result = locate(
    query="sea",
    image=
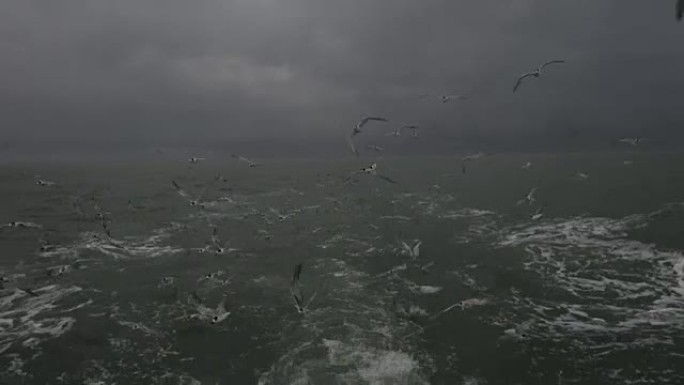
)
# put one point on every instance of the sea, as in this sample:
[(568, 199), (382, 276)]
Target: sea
[(566, 271)]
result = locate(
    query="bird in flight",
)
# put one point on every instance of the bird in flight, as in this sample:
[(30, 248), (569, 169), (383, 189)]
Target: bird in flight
[(181, 192), (526, 166), (680, 10), (536, 73), (295, 291), (632, 141), (249, 162), (529, 198), (364, 121), (412, 251)]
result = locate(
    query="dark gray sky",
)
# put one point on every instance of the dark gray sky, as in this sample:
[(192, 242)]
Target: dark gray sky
[(147, 73)]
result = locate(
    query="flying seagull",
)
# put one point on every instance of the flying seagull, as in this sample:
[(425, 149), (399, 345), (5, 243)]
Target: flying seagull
[(412, 251), (680, 10), (295, 291), (536, 73), (632, 141), (249, 162), (470, 158), (529, 198), (363, 122), (526, 166), (373, 170), (43, 182), (537, 214), (182, 193)]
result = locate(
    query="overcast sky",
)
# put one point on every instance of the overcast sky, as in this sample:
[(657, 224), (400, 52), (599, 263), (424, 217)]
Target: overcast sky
[(165, 73)]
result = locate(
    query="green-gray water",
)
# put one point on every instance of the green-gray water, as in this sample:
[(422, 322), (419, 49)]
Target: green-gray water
[(591, 292)]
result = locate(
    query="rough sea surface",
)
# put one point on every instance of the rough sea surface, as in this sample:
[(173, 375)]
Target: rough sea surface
[(589, 291)]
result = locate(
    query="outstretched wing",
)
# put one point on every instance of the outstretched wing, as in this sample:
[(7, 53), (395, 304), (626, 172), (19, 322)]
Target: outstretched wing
[(180, 191), (548, 63), (680, 10), (520, 80), (350, 142), (387, 179), (367, 119), (294, 288)]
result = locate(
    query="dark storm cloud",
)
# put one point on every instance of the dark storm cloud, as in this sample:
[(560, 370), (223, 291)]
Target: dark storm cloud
[(212, 71)]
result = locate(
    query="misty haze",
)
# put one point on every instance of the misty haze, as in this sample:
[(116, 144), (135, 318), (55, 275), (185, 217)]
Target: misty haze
[(471, 192)]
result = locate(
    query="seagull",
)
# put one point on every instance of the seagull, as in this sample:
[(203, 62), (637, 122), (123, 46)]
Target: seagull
[(363, 122), (194, 160), (529, 198), (447, 98), (21, 225), (414, 134), (395, 133), (536, 73), (537, 215), (181, 192), (43, 182), (206, 314), (411, 251), (526, 166), (469, 158), (372, 170), (582, 175), (249, 162), (295, 291), (632, 141), (680, 10), (374, 147), (219, 247)]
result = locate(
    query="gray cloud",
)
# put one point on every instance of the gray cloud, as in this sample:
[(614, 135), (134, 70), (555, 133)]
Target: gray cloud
[(175, 72)]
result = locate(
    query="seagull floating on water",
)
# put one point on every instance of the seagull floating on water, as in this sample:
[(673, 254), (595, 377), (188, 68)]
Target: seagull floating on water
[(372, 170), (21, 225), (194, 160), (536, 73), (43, 182)]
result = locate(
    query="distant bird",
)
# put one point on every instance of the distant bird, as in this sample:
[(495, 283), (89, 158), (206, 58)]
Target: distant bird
[(627, 162), (194, 160), (295, 290), (21, 225), (526, 166), (219, 246), (206, 314), (680, 10), (396, 132), (182, 193), (536, 73), (529, 198), (447, 98), (412, 251), (469, 158), (414, 134), (582, 175), (249, 162), (363, 122), (374, 147), (372, 170), (43, 182), (632, 141), (537, 214)]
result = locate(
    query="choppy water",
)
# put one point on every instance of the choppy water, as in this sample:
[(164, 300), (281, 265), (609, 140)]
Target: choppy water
[(592, 292)]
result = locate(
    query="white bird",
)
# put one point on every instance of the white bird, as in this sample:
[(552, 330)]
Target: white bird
[(295, 290), (411, 251), (43, 182), (526, 166), (194, 160), (529, 198), (536, 73), (537, 215), (182, 193), (582, 175), (374, 147), (447, 98), (364, 121), (632, 141), (21, 225), (470, 158), (249, 162), (206, 314)]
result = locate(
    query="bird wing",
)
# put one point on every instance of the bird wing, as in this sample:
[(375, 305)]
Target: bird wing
[(180, 191), (215, 238), (680, 10), (520, 79), (294, 287), (416, 248), (388, 179), (350, 142), (367, 119), (541, 67)]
